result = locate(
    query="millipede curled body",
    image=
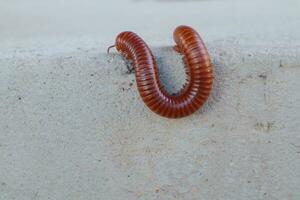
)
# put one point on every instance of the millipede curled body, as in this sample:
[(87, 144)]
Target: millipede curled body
[(198, 66)]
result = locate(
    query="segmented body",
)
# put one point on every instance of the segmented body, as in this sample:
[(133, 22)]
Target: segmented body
[(199, 73)]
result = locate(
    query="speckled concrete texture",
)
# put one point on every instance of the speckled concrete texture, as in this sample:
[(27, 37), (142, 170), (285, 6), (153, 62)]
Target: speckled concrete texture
[(72, 124)]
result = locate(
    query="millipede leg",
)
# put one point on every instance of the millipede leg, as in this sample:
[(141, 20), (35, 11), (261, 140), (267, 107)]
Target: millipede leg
[(177, 49)]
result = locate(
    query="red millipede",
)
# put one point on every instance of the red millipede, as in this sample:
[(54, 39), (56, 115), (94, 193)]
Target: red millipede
[(198, 67)]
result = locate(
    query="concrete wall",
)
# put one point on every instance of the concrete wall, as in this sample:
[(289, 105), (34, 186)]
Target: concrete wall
[(72, 124)]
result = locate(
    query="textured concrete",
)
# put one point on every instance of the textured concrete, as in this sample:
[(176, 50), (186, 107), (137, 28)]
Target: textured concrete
[(72, 125)]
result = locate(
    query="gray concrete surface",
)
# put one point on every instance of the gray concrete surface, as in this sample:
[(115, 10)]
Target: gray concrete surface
[(72, 125)]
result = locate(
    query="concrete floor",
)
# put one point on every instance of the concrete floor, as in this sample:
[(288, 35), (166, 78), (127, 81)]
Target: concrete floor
[(74, 127)]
